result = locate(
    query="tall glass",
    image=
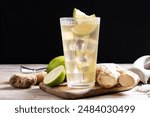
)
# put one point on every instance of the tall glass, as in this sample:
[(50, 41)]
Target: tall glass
[(80, 45)]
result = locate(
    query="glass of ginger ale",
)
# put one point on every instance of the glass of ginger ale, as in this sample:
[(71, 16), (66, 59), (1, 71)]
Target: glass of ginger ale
[(80, 38)]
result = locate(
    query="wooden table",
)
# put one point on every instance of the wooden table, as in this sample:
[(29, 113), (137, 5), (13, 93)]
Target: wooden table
[(34, 93)]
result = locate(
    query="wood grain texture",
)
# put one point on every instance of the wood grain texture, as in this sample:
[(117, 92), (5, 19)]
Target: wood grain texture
[(70, 93)]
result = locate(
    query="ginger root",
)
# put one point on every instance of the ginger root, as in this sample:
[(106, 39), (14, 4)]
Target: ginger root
[(40, 76), (108, 75), (21, 80), (128, 78)]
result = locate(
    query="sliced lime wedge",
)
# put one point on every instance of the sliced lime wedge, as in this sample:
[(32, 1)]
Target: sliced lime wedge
[(85, 24), (55, 76)]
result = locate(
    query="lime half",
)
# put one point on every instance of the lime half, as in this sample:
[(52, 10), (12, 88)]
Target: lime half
[(85, 24), (60, 60), (55, 76)]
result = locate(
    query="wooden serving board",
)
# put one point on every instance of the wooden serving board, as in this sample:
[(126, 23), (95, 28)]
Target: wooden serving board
[(69, 93)]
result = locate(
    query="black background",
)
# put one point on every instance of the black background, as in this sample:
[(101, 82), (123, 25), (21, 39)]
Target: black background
[(30, 29)]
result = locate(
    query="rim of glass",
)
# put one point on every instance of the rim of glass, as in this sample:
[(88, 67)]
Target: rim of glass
[(62, 18)]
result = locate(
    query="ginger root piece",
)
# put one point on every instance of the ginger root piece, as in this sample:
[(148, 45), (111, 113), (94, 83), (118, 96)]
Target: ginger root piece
[(128, 78), (107, 75), (21, 80), (40, 76)]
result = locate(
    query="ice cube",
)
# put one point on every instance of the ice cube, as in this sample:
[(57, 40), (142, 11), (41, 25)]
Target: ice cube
[(92, 44), (70, 66), (91, 56), (80, 44), (80, 56), (69, 55), (80, 50)]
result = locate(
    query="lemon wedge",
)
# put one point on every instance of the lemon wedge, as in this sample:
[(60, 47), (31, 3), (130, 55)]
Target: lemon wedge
[(79, 14), (85, 24)]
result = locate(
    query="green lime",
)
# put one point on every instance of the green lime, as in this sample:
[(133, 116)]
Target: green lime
[(55, 76), (60, 60)]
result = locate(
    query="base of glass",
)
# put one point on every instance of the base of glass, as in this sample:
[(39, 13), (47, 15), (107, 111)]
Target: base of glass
[(81, 85)]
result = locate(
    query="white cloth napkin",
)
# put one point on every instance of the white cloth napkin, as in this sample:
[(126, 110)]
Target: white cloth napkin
[(142, 68)]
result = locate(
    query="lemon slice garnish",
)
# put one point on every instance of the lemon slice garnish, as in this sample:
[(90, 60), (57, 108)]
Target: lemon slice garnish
[(85, 24)]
